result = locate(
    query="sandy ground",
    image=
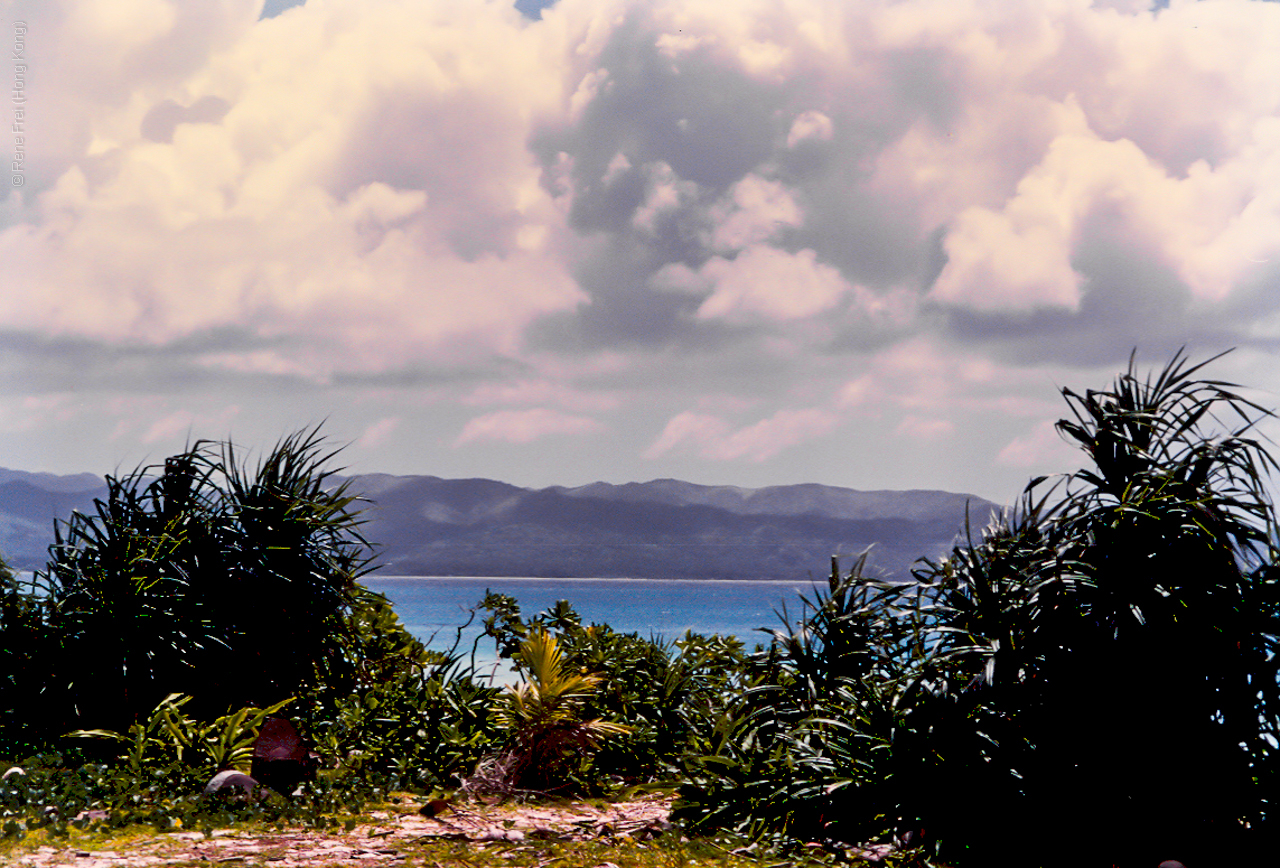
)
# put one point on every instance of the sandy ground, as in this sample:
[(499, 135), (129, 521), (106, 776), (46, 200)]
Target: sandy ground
[(385, 840)]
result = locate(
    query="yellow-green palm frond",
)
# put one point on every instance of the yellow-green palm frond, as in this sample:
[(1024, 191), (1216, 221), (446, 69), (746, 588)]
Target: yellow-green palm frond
[(548, 695), (543, 661)]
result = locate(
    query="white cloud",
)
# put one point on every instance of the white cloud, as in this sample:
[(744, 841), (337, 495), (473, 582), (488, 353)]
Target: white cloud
[(765, 282), (1041, 446), (1019, 257), (755, 210), (526, 426), (346, 199), (699, 429), (890, 206), (665, 193), (542, 392), (715, 439), (186, 423), (378, 432), (810, 125), (925, 428), (125, 27)]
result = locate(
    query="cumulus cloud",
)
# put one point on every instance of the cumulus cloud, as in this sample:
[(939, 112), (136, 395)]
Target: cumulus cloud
[(755, 210), (827, 211), (347, 177), (810, 125), (763, 281), (1020, 256)]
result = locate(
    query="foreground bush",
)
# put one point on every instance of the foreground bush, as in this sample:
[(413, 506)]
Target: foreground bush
[(547, 743), (235, 585), (667, 693), (411, 719), (1092, 680), (204, 576), (800, 754)]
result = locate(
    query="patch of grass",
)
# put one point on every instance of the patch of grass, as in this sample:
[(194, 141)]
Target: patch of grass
[(665, 851), (90, 839)]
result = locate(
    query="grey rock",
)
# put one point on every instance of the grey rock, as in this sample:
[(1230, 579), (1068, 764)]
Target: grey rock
[(233, 784), (90, 816)]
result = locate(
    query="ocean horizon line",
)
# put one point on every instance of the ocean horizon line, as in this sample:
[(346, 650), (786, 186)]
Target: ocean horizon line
[(586, 579)]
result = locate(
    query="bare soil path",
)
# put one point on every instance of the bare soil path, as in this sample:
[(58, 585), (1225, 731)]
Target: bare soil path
[(389, 838)]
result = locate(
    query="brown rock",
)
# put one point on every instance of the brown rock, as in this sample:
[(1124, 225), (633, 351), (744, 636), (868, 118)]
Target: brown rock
[(281, 760)]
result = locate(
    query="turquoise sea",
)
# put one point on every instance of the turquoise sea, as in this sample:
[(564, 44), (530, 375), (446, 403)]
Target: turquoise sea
[(433, 608)]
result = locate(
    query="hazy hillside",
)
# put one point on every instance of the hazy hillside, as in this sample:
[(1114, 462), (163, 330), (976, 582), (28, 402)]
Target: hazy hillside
[(29, 502), (665, 528), (425, 525)]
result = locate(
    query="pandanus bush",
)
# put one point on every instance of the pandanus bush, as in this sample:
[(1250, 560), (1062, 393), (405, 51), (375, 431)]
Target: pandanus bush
[(1114, 639), (799, 754), (1095, 672), (205, 575), (25, 643)]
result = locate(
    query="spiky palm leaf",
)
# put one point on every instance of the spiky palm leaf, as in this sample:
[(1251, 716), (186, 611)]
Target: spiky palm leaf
[(206, 576), (1124, 628), (547, 738)]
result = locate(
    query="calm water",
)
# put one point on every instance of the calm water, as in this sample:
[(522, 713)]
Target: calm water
[(432, 608)]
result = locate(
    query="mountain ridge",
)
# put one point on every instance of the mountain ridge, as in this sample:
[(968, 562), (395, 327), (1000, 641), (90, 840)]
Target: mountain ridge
[(663, 528)]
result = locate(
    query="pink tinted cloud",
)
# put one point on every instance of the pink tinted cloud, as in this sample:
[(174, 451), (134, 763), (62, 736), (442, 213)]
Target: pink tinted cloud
[(373, 165), (542, 392), (367, 189), (526, 426), (1041, 446), (835, 190), (187, 423), (763, 282), (378, 432), (715, 439)]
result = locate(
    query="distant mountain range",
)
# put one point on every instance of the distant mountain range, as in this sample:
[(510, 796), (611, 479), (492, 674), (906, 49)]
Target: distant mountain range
[(424, 525)]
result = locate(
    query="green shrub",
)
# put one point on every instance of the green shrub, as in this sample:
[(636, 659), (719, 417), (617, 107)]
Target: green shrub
[(799, 755), (26, 644), (668, 694), (201, 576), (548, 741), (170, 737), (61, 790), (411, 719), (1098, 664)]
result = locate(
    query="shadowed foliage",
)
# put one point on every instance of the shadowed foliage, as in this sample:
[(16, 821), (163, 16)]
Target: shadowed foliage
[(22, 641), (205, 575), (1092, 679)]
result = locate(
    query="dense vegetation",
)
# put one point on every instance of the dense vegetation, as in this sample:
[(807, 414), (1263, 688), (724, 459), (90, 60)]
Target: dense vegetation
[(1090, 679)]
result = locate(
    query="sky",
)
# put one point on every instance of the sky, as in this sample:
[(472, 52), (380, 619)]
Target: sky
[(753, 243)]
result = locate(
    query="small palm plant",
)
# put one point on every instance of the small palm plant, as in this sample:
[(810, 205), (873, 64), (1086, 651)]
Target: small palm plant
[(547, 741)]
